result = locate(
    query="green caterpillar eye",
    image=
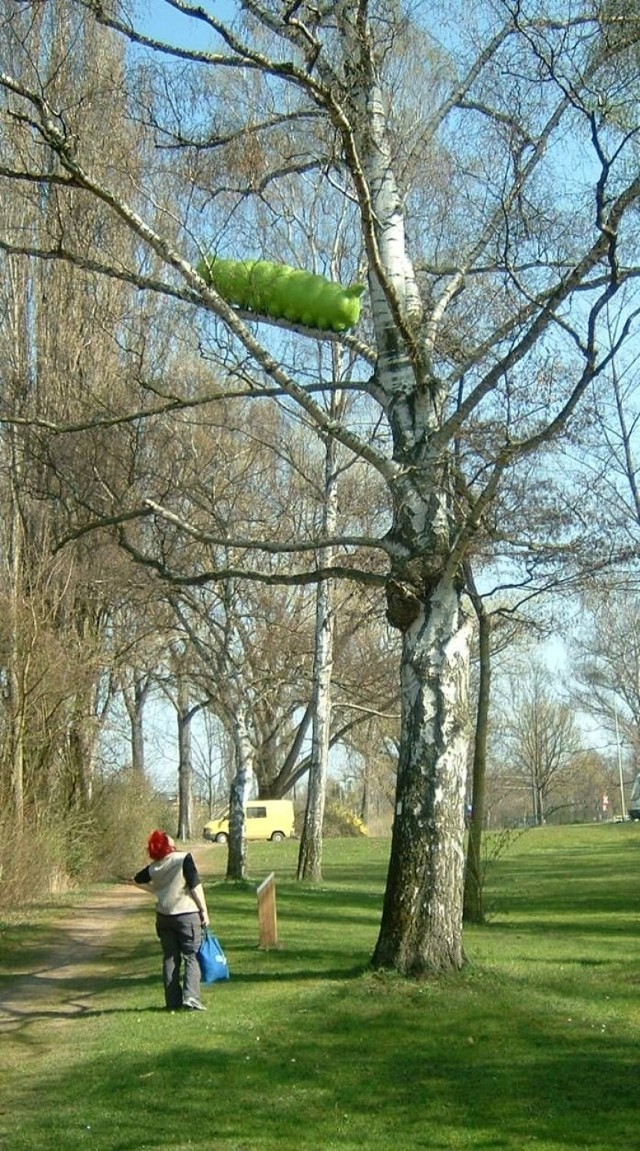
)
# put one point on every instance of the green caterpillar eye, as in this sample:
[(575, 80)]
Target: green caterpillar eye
[(284, 293)]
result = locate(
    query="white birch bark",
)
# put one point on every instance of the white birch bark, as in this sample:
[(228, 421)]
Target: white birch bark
[(19, 650), (240, 790), (421, 928), (15, 700), (310, 854)]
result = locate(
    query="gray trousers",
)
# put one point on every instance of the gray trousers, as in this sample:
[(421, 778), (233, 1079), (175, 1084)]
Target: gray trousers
[(180, 938)]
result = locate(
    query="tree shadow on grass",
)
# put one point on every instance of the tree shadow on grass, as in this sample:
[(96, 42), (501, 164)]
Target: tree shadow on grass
[(380, 1066), (606, 925), (17, 1019)]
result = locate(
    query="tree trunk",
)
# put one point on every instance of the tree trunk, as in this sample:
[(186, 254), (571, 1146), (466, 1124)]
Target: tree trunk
[(137, 739), (19, 647), (421, 928), (310, 854), (185, 716), (240, 788), (541, 805), (365, 802), (15, 687), (82, 738), (135, 704), (474, 873)]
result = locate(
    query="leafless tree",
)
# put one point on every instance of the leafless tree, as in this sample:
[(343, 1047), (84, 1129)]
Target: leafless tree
[(543, 743)]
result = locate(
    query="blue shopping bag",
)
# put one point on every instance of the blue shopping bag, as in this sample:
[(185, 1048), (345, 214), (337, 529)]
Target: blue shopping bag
[(212, 959)]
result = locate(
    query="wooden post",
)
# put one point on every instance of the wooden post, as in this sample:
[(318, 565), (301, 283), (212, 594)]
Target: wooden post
[(267, 919)]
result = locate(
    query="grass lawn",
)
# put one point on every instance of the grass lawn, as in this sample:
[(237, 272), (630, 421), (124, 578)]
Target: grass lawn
[(533, 1045)]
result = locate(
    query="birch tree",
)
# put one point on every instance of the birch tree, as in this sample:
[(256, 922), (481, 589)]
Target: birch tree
[(310, 855), (483, 327)]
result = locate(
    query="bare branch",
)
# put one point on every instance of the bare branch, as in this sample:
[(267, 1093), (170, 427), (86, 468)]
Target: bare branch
[(270, 548), (223, 574)]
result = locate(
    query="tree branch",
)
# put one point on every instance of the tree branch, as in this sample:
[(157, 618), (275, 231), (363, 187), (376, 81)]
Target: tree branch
[(270, 548), (223, 574)]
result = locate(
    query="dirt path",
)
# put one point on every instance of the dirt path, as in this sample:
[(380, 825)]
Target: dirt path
[(65, 983)]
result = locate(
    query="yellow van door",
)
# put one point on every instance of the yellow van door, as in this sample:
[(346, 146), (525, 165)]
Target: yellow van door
[(256, 823)]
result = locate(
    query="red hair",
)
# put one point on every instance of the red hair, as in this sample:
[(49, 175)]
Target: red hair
[(159, 845)]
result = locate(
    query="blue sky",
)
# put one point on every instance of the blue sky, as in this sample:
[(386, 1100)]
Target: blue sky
[(159, 19)]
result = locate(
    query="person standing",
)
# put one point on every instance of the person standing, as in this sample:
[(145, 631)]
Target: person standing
[(181, 915)]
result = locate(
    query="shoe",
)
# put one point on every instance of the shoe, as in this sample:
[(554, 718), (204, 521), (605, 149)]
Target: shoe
[(193, 1005)]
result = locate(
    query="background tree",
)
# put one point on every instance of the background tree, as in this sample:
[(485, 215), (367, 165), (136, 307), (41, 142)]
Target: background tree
[(606, 668), (57, 612), (542, 743)]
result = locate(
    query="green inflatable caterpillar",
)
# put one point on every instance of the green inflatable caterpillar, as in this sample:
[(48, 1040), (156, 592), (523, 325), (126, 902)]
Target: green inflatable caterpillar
[(284, 293)]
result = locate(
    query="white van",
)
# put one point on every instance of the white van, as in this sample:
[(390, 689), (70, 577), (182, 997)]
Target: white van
[(264, 819)]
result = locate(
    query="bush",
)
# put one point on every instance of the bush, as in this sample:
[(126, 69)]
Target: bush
[(42, 860), (61, 850), (125, 809), (339, 821)]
